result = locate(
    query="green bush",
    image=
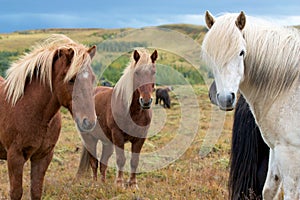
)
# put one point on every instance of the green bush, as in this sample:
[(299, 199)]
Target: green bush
[(6, 58)]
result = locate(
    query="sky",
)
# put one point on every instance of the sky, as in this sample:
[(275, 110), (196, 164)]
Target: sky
[(16, 15)]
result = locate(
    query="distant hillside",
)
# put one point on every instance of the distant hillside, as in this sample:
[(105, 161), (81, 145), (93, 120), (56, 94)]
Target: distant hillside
[(193, 31), (175, 53), (178, 46)]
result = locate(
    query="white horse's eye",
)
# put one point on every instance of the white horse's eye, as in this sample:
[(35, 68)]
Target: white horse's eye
[(242, 53)]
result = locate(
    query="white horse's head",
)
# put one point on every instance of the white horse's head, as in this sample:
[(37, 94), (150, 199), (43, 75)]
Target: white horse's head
[(224, 48)]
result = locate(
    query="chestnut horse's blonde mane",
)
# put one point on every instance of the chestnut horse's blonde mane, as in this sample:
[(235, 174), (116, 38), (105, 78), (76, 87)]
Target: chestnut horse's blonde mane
[(272, 61), (124, 88), (39, 63)]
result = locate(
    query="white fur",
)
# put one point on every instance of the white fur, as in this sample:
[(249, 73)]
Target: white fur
[(85, 74), (270, 85)]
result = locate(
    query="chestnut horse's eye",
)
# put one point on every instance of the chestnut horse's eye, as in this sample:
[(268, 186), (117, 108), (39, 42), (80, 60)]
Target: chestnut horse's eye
[(72, 80)]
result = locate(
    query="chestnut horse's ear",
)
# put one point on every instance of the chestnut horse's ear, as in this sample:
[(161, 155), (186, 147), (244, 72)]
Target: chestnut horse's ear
[(92, 51), (209, 19), (136, 55), (154, 56), (68, 53), (241, 20)]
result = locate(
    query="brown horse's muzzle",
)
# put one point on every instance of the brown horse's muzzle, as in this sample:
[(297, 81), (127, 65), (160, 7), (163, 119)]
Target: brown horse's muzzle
[(145, 104)]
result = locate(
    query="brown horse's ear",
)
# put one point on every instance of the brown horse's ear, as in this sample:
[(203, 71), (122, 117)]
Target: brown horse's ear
[(92, 51), (136, 55), (209, 19), (241, 20), (154, 56)]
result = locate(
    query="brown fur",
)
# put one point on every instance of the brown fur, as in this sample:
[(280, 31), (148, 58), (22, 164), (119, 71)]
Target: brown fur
[(116, 125), (29, 128)]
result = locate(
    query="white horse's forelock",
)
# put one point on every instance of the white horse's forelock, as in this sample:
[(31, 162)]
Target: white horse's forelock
[(226, 32)]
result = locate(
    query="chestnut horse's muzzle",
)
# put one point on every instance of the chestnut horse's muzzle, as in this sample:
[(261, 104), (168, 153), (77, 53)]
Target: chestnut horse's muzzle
[(86, 125)]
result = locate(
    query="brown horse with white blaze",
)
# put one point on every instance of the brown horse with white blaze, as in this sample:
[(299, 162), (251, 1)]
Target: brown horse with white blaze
[(55, 73), (124, 114)]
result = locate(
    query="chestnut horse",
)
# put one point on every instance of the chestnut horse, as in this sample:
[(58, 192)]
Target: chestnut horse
[(37, 85), (124, 114)]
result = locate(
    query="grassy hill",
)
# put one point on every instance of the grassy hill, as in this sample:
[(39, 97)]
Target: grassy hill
[(115, 45)]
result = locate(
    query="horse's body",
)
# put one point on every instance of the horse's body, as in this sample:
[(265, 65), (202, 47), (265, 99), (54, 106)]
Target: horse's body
[(249, 154), (30, 98), (124, 114), (162, 94), (262, 61)]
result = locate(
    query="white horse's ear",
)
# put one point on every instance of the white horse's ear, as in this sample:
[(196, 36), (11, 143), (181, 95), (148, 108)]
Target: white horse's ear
[(209, 19), (241, 20), (154, 56)]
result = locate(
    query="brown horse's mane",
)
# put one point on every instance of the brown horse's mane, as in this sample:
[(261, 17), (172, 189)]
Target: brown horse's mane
[(39, 63)]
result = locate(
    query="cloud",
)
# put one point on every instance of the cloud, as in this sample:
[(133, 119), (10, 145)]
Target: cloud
[(284, 20)]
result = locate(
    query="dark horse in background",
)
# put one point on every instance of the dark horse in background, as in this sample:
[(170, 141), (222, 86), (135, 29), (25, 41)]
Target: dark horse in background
[(249, 153), (162, 94)]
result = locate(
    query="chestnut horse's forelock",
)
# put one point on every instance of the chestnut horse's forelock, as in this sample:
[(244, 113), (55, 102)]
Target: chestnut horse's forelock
[(39, 62)]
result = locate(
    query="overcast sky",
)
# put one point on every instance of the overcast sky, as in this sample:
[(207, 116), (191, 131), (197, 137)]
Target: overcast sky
[(16, 15)]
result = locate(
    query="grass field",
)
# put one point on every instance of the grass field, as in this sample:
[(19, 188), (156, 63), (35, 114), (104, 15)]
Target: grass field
[(188, 177)]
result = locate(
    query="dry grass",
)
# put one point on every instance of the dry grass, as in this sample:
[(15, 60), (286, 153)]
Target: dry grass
[(189, 177), (18, 41)]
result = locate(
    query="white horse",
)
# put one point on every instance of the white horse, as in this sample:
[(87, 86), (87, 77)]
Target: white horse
[(263, 62)]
